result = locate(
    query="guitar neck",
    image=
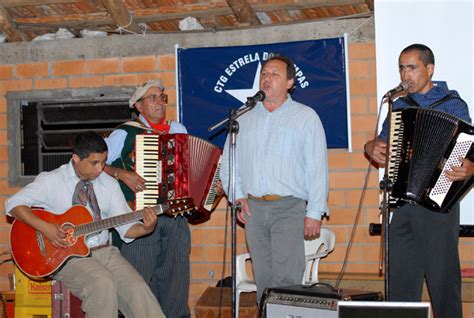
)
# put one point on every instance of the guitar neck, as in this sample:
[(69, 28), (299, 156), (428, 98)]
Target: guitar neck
[(104, 224)]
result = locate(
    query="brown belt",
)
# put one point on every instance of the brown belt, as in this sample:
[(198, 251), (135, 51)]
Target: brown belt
[(267, 197), (98, 247)]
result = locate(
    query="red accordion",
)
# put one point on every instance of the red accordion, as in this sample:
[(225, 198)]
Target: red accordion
[(177, 166)]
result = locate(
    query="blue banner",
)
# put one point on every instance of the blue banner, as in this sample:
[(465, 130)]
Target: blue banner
[(214, 80)]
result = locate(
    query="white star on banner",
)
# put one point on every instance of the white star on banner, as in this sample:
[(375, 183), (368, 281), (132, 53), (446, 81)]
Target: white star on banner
[(242, 94)]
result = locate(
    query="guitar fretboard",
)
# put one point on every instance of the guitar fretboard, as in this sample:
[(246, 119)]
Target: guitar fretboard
[(104, 224)]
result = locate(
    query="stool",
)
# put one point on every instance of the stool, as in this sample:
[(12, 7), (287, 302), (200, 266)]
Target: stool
[(208, 304)]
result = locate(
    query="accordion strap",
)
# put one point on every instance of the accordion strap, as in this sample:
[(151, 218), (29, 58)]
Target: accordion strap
[(137, 124), (411, 102)]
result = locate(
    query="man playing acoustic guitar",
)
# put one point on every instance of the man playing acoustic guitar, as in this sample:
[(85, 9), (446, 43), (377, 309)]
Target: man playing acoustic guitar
[(105, 281)]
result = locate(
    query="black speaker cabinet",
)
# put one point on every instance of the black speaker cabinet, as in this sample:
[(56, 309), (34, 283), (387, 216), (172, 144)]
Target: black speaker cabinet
[(377, 309), (318, 301)]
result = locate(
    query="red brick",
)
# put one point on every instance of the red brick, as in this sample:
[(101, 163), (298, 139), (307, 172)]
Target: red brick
[(339, 231), (3, 137), (371, 197), (3, 153), (32, 70), (358, 160), (3, 121), (217, 218), (359, 139), (338, 159), (16, 85), (3, 105), (342, 216), (360, 50), (358, 69), (6, 189), (6, 71), (120, 80), (139, 64), (337, 198), (372, 69), (201, 271), (97, 81), (167, 63), (196, 254), (371, 253), (62, 68), (350, 179), (3, 170), (361, 86), (363, 236), (374, 105), (103, 66), (363, 123), (51, 83), (359, 105), (372, 215)]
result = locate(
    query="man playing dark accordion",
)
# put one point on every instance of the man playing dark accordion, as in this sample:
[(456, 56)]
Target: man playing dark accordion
[(423, 243)]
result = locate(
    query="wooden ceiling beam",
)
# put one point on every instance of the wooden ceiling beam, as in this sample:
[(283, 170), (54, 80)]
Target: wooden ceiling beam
[(10, 29), (243, 11), (370, 4), (121, 16), (303, 4), (92, 21), (22, 3)]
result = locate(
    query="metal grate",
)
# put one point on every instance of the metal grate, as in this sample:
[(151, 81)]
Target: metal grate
[(49, 128)]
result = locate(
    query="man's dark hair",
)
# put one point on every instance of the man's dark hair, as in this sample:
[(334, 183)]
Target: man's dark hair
[(87, 143), (426, 55), (290, 67)]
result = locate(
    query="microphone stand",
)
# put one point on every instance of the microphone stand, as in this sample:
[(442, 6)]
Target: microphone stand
[(386, 187), (233, 130)]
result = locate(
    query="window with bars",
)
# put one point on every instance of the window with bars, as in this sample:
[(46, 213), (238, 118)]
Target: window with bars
[(43, 124)]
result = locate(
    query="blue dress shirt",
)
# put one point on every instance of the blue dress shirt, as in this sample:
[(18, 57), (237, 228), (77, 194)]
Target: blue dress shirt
[(281, 152)]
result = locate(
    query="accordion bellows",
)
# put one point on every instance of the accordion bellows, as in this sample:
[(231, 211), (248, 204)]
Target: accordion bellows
[(423, 144), (177, 166)]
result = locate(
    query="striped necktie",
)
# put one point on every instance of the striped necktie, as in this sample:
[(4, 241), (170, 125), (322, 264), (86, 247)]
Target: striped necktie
[(83, 194)]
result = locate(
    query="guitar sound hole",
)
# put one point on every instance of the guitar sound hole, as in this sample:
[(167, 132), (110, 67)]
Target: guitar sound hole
[(70, 238)]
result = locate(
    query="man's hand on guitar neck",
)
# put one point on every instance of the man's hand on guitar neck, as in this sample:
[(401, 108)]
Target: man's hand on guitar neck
[(148, 225), (53, 232)]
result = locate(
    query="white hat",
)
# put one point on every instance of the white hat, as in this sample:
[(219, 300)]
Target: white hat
[(140, 91)]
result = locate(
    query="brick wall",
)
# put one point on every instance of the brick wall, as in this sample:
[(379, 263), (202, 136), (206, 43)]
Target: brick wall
[(347, 170)]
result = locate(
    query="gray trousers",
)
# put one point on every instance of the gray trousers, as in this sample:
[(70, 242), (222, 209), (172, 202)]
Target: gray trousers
[(275, 238), (162, 258), (424, 244), (106, 282)]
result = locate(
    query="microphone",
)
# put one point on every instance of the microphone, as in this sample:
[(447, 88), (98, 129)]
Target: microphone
[(400, 88), (251, 101)]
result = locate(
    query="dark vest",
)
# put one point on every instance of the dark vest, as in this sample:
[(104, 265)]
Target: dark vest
[(125, 161)]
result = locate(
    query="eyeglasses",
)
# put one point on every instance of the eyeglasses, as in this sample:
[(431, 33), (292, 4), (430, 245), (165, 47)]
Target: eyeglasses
[(157, 98)]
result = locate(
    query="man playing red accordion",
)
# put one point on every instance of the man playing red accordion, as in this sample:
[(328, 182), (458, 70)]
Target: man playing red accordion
[(162, 258)]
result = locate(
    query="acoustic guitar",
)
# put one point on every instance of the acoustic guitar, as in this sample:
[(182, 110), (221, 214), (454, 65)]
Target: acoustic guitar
[(37, 257)]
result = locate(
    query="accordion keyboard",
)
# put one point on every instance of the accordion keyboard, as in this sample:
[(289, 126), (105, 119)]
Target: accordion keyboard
[(148, 165)]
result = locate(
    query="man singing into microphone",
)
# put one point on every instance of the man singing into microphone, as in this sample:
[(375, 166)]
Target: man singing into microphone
[(281, 178), (424, 244)]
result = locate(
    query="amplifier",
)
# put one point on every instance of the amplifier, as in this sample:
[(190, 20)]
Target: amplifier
[(312, 301)]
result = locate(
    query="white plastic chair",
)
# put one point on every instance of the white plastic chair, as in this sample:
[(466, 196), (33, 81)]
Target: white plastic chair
[(314, 251)]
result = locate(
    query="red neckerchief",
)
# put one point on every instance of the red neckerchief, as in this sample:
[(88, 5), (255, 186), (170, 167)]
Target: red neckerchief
[(162, 127)]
